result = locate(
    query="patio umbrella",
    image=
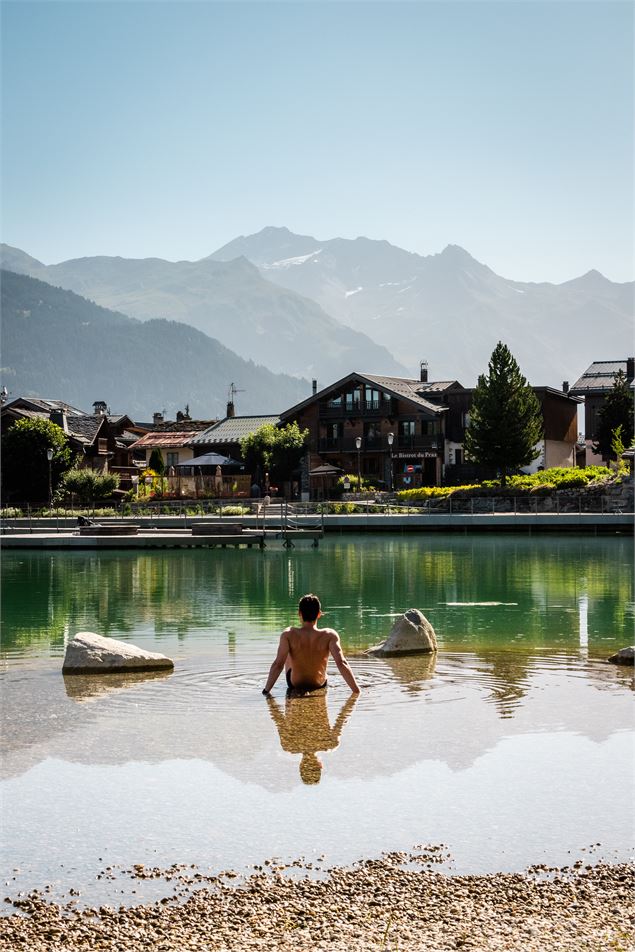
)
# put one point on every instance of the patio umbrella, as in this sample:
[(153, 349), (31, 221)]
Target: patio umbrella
[(210, 459), (325, 470)]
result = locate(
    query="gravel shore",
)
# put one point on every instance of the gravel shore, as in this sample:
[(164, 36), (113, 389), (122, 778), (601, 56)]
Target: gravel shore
[(383, 904)]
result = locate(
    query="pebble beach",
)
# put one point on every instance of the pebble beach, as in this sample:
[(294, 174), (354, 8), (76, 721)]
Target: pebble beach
[(389, 904)]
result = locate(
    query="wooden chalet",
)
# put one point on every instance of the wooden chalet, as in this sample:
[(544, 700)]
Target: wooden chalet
[(593, 387)]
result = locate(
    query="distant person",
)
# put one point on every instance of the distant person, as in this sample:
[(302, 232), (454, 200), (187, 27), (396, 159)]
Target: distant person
[(304, 728), (255, 491), (304, 653)]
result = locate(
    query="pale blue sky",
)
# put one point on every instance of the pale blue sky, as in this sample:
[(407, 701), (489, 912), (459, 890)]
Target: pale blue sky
[(167, 129)]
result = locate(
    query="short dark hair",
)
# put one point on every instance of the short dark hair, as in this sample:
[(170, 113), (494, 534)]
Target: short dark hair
[(309, 607)]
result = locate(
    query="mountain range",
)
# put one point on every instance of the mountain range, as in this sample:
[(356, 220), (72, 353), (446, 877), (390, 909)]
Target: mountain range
[(57, 344), (229, 301), (449, 308), (320, 309)]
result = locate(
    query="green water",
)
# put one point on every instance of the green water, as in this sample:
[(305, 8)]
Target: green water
[(507, 746), (478, 592)]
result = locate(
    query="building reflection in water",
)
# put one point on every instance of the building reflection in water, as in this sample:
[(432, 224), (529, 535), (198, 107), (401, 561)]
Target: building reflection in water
[(304, 728)]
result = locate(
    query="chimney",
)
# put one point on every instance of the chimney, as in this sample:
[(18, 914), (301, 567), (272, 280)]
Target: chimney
[(424, 371), (565, 386), (100, 408), (231, 409), (157, 418), (180, 416), (630, 368), (59, 418), (314, 386)]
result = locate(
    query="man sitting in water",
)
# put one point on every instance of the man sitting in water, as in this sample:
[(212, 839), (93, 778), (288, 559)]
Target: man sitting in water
[(304, 652)]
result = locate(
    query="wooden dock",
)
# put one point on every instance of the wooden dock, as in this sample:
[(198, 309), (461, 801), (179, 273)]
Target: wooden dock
[(161, 538)]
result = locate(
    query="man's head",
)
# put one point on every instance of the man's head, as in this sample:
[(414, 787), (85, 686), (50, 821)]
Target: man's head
[(310, 608), (310, 768)]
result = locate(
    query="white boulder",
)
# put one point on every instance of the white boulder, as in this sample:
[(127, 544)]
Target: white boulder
[(412, 633), (624, 656), (88, 653)]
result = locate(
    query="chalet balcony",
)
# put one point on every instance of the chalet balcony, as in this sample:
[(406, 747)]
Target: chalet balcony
[(363, 408), (401, 444)]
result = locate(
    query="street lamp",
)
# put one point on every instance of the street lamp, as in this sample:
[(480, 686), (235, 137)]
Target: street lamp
[(49, 456), (391, 437), (358, 445)]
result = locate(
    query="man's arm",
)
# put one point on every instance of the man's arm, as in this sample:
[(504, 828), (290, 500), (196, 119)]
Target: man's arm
[(278, 664), (342, 664)]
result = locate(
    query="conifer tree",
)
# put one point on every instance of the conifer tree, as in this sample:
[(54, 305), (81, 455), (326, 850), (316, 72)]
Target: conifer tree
[(156, 461), (617, 410), (505, 417)]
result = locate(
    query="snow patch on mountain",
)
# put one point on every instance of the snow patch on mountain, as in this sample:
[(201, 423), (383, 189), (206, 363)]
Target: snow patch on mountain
[(289, 262)]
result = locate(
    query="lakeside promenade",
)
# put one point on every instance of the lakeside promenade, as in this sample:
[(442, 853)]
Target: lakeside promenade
[(163, 531)]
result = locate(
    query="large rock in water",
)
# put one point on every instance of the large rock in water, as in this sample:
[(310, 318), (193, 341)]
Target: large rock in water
[(89, 653), (624, 656), (411, 634)]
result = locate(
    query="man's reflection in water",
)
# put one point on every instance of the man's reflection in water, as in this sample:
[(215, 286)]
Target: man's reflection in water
[(304, 728)]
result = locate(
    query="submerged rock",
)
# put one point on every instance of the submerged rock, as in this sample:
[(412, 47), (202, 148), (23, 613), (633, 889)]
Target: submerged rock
[(411, 634), (624, 656), (88, 653)]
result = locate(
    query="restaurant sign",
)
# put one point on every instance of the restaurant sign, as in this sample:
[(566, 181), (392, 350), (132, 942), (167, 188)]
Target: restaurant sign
[(415, 455)]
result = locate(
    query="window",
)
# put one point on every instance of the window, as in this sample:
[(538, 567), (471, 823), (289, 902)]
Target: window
[(102, 447), (429, 427), (371, 397), (407, 427), (335, 402), (371, 433), (353, 399), (172, 459)]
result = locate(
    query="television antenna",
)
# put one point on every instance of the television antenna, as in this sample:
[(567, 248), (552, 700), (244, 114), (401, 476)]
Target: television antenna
[(233, 390)]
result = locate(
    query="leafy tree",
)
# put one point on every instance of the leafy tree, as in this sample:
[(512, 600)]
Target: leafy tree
[(89, 484), (288, 450), (273, 449), (505, 417), (156, 461), (25, 467), (616, 411)]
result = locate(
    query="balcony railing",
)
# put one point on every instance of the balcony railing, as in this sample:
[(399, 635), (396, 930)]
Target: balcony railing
[(365, 408), (401, 444)]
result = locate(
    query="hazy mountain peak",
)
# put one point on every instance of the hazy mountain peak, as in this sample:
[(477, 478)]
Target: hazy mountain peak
[(456, 253), (14, 259)]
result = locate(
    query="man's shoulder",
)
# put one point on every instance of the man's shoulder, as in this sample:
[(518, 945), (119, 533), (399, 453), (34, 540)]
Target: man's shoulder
[(330, 633)]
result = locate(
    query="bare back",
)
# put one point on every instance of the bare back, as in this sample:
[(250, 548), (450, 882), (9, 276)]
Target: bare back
[(308, 656)]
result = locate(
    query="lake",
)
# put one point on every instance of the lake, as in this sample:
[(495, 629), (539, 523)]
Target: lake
[(514, 746)]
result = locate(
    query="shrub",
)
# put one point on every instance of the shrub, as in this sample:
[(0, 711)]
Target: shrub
[(366, 484), (542, 489), (88, 484), (422, 493)]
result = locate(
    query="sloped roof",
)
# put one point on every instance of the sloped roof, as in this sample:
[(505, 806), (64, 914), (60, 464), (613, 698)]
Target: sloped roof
[(85, 428), (43, 405), (598, 377), (401, 387), (181, 426), (162, 440), (233, 429)]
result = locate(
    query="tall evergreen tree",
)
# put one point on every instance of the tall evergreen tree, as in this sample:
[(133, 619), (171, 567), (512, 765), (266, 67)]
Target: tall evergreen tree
[(505, 417), (156, 461), (617, 410)]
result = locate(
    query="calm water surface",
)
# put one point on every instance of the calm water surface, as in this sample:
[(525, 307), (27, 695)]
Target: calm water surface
[(513, 746)]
